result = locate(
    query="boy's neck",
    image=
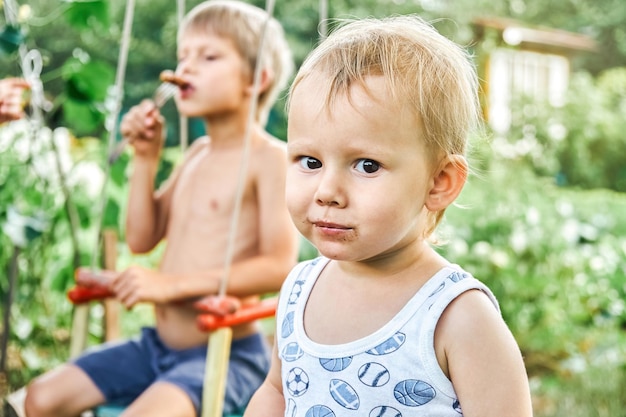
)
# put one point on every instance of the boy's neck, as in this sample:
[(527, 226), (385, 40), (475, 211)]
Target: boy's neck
[(229, 131)]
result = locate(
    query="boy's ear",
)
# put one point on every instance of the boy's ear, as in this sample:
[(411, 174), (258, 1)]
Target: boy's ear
[(448, 182), (264, 83)]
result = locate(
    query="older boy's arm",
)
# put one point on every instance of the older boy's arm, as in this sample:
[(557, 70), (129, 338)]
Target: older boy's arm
[(268, 400), (147, 214), (278, 237), (142, 126), (483, 360), (142, 232)]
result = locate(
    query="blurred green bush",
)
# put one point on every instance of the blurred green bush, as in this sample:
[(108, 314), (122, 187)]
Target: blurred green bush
[(580, 144), (555, 257)]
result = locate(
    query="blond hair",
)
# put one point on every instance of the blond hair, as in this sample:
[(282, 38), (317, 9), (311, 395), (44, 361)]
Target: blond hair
[(422, 69), (244, 24)]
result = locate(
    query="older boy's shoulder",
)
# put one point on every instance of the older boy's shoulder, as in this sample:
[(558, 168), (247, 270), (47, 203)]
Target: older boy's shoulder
[(271, 145), (198, 144)]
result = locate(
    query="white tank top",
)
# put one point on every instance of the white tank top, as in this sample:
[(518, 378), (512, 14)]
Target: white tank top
[(391, 373)]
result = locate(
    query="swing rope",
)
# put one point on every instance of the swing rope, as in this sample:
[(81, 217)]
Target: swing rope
[(182, 120), (230, 246), (219, 342), (114, 101)]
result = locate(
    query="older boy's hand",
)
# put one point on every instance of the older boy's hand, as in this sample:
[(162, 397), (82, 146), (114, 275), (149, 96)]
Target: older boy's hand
[(11, 100), (143, 127), (137, 284)]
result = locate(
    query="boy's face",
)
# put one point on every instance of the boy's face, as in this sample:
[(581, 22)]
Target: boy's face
[(215, 73), (359, 174)]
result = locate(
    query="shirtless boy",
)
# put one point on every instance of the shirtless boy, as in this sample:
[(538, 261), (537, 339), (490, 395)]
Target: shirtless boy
[(161, 373)]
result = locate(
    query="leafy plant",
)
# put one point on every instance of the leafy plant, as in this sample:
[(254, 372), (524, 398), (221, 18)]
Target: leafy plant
[(579, 144), (555, 258)]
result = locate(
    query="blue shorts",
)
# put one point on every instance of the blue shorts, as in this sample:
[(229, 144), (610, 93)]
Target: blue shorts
[(123, 370)]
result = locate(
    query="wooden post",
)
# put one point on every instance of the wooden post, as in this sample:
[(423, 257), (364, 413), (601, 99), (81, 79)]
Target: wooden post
[(111, 305), (216, 372), (80, 321)]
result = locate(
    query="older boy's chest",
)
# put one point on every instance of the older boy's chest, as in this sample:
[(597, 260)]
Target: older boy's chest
[(204, 201), (207, 186)]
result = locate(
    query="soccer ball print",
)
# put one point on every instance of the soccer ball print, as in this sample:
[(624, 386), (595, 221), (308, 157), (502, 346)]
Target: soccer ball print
[(296, 290), (297, 382)]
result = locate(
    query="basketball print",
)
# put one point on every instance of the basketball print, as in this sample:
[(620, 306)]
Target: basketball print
[(413, 393), (319, 411), (373, 374), (287, 327), (335, 364), (344, 394), (297, 382), (385, 411), (292, 352), (388, 346)]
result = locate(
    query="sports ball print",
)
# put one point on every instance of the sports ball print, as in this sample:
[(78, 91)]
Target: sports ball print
[(287, 326), (373, 374), (297, 382), (385, 411), (335, 364), (344, 394), (291, 408), (439, 288), (388, 346), (457, 276), (413, 393), (319, 411), (292, 352), (296, 290), (457, 406)]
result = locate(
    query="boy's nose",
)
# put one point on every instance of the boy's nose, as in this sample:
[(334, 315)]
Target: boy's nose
[(330, 190)]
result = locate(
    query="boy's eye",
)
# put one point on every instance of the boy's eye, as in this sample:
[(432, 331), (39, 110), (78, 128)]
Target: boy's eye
[(308, 162), (367, 166)]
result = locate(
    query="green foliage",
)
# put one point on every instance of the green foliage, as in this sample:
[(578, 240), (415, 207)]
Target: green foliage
[(86, 87), (581, 143), (10, 39), (555, 258), (84, 13)]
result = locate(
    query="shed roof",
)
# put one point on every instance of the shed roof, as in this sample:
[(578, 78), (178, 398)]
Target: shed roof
[(516, 33)]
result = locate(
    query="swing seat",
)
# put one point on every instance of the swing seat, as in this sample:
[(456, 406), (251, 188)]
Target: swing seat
[(108, 410)]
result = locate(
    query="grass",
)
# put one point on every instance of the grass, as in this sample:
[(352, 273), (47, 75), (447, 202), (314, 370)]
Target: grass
[(596, 392)]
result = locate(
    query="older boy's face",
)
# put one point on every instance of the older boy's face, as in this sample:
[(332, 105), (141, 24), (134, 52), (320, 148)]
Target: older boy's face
[(359, 175), (215, 72)]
